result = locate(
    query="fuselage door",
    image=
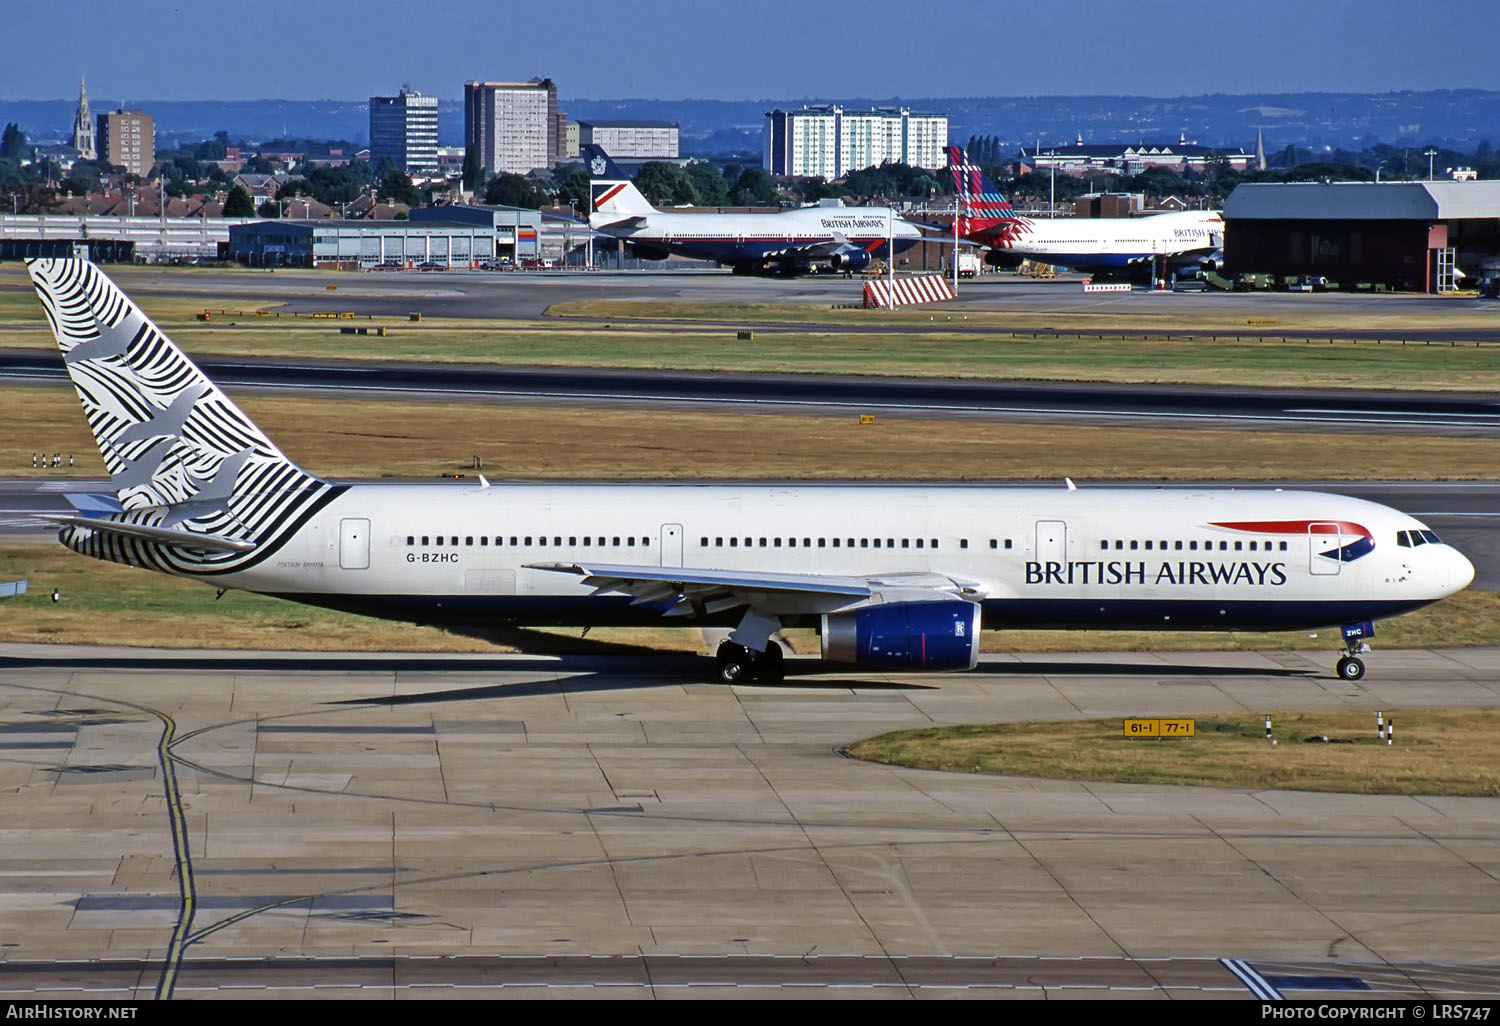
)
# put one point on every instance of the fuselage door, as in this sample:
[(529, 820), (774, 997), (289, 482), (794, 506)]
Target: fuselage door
[(1051, 541), (1324, 538), (671, 544), (354, 544)]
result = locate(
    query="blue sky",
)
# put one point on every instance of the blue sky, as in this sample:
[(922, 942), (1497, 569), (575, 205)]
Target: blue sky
[(352, 49)]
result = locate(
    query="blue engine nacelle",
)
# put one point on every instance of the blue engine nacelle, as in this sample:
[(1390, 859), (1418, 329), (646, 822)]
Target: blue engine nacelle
[(905, 636), (850, 260)]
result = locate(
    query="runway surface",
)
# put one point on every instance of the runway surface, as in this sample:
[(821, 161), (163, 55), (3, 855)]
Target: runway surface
[(1341, 410), (268, 824)]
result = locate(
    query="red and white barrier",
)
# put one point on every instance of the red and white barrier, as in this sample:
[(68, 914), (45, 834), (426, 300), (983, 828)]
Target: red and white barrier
[(921, 288), (1107, 286)]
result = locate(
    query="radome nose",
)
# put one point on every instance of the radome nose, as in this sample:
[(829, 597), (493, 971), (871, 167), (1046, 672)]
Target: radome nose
[(1463, 571)]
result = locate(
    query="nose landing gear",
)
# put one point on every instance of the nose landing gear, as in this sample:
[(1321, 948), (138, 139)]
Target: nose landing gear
[(1350, 666)]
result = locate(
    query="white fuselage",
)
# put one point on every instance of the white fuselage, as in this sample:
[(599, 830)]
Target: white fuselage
[(1090, 242), (1129, 558), (741, 238)]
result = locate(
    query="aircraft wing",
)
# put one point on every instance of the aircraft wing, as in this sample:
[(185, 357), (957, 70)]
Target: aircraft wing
[(160, 535), (697, 592)]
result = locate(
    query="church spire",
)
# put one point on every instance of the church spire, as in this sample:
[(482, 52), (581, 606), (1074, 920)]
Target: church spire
[(83, 126)]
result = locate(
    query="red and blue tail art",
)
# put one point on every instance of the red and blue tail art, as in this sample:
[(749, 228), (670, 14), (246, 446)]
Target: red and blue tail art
[(983, 214), (1361, 545)]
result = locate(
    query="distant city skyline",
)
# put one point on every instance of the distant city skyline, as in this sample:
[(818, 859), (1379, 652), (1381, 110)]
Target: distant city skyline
[(354, 49)]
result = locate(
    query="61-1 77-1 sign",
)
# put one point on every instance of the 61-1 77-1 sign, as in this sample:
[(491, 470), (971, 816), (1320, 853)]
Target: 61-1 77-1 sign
[(1159, 728)]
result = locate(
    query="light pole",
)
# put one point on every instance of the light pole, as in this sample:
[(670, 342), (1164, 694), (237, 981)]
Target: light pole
[(1429, 153)]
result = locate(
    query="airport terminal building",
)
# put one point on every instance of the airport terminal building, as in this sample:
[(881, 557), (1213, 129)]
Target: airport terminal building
[(1412, 236)]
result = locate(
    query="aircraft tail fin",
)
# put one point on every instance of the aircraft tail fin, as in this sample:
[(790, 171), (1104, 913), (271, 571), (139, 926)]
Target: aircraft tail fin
[(178, 451), (980, 203), (613, 196)]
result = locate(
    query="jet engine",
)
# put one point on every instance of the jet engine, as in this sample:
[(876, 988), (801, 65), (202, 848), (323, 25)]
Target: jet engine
[(937, 635), (1003, 258), (645, 252), (854, 260)]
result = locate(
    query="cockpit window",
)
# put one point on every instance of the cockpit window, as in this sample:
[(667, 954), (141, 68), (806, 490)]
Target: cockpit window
[(1417, 538), (1403, 539), (1432, 537)]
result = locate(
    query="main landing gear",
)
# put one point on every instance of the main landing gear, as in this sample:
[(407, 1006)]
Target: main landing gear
[(738, 663)]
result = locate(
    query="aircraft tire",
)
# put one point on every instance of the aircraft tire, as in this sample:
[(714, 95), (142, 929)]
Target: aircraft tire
[(770, 668), (734, 662), (1350, 668)]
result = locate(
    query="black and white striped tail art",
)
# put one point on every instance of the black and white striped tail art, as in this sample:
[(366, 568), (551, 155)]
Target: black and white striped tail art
[(180, 454)]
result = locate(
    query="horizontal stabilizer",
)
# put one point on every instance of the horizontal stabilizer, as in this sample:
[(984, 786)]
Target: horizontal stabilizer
[(160, 535)]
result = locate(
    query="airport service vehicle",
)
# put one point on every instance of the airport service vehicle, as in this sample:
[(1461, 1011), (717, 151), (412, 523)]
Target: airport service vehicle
[(893, 577), (788, 242), (1187, 240), (968, 265)]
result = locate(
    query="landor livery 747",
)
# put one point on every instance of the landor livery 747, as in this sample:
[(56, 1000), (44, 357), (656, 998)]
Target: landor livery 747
[(787, 242), (893, 577)]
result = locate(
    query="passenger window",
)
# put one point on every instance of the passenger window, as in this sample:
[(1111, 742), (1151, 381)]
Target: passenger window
[(1239, 546), (1102, 544), (646, 542), (484, 541), (963, 543), (513, 540), (528, 539), (1007, 543), (718, 543), (1283, 546), (734, 543), (469, 540), (409, 540), (572, 540), (762, 543), (1192, 546), (906, 543), (1134, 545), (934, 543), (775, 543), (1223, 545), (1177, 546), (1119, 544), (455, 539), (541, 540), (1148, 545), (439, 540), (864, 543), (585, 541)]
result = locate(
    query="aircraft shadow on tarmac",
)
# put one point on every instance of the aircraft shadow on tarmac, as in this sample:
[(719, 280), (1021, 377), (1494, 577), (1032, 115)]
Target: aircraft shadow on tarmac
[(583, 674)]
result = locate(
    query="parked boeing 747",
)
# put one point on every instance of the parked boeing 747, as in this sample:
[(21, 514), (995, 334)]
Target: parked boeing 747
[(788, 242), (893, 577), (1186, 240)]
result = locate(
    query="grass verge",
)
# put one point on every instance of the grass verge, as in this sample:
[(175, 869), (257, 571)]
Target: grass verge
[(1435, 752), (402, 438)]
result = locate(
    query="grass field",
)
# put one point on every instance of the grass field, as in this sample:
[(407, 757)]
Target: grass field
[(881, 343), (376, 437), (1434, 752)]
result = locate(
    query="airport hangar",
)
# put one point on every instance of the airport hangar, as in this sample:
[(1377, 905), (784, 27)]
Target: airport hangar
[(1411, 236)]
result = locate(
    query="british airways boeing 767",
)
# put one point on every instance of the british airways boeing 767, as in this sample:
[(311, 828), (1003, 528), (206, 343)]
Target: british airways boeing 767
[(893, 577)]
